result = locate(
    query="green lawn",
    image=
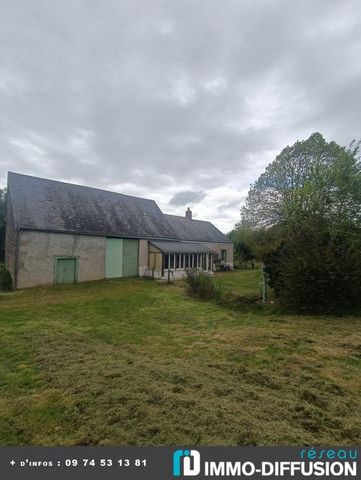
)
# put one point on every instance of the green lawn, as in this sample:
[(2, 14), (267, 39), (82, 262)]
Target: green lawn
[(136, 362), (245, 283)]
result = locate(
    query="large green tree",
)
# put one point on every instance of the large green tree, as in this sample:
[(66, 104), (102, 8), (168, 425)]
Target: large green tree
[(310, 197), (312, 177), (257, 242)]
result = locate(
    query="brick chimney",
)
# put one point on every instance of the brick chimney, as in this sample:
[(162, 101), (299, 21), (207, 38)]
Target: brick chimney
[(189, 214)]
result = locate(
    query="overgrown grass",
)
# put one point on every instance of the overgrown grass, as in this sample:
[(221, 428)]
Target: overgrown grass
[(131, 362)]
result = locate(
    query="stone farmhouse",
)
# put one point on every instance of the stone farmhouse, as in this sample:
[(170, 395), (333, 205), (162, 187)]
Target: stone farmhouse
[(58, 232)]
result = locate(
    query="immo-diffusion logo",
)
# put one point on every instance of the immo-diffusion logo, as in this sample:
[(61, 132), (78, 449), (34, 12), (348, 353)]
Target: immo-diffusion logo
[(186, 463)]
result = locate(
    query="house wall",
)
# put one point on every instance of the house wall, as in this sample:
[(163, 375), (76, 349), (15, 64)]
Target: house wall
[(143, 257), (38, 249), (10, 240), (37, 252), (217, 247)]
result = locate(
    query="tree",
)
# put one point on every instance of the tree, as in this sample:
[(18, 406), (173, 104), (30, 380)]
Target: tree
[(310, 196), (315, 271), (311, 177), (256, 241), (243, 251)]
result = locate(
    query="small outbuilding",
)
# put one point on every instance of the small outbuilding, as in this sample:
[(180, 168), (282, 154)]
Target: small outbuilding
[(58, 232)]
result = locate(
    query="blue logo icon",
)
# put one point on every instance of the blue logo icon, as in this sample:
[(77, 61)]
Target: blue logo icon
[(186, 463)]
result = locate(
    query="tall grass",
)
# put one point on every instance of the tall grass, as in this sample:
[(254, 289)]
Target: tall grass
[(202, 285)]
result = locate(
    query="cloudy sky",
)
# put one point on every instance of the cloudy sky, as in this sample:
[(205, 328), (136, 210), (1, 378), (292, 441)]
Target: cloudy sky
[(181, 101)]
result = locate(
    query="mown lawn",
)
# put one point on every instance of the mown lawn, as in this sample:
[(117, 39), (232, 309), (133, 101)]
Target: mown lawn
[(135, 362)]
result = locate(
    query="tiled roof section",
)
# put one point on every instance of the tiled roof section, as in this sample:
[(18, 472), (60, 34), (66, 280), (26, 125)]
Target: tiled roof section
[(196, 230), (41, 204)]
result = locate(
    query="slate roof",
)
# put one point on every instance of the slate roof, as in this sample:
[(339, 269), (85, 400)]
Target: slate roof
[(49, 205), (180, 247), (196, 230), (41, 204)]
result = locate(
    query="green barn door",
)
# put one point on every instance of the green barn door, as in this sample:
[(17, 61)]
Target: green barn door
[(130, 258), (65, 270), (114, 258)]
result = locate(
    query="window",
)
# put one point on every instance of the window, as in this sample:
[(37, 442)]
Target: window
[(166, 261), (224, 255)]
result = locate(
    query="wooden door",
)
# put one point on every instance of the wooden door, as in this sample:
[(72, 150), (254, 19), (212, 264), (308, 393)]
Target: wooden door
[(65, 271), (114, 258), (130, 258)]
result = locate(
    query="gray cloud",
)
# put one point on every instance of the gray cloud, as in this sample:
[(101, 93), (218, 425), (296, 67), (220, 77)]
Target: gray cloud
[(154, 98), (227, 205), (187, 198)]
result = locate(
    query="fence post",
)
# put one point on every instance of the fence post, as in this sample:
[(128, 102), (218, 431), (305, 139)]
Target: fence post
[(264, 286)]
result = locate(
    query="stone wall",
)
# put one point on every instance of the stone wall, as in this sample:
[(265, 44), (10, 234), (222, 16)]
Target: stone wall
[(10, 240), (38, 250)]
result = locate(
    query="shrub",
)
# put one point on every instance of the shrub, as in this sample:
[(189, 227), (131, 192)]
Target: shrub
[(202, 285), (315, 272), (6, 283)]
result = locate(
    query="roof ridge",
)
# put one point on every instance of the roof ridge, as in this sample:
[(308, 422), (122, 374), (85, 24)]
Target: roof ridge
[(81, 186)]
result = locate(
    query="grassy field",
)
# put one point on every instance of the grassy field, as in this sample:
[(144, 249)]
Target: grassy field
[(135, 362), (244, 283)]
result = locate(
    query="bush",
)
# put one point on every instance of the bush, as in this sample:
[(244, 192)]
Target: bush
[(223, 267), (202, 285), (6, 283), (314, 272)]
